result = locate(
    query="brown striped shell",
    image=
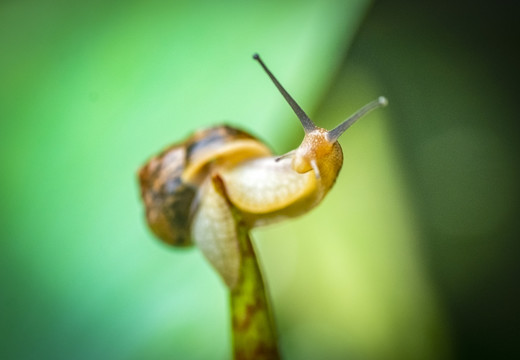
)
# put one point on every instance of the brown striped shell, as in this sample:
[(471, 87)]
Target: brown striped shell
[(170, 181)]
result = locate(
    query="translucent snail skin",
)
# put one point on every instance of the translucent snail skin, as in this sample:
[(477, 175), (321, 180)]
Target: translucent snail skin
[(194, 190)]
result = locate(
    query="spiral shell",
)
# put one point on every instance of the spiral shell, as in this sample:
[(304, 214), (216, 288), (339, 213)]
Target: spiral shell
[(171, 181)]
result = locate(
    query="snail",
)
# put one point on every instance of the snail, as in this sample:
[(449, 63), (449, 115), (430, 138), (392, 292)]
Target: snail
[(192, 190)]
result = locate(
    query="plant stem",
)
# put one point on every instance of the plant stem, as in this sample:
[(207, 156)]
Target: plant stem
[(254, 335)]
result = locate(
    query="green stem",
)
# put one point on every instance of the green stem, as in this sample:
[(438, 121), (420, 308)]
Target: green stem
[(254, 335)]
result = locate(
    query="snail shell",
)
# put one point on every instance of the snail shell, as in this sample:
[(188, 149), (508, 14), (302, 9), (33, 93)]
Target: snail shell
[(171, 181)]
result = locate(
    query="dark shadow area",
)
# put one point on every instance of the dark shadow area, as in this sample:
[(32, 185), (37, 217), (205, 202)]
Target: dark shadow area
[(450, 71)]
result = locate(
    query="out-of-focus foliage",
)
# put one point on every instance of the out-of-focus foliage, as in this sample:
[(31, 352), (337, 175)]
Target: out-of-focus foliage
[(410, 256)]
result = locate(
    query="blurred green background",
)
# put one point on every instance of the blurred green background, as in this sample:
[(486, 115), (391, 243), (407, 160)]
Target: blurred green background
[(412, 256)]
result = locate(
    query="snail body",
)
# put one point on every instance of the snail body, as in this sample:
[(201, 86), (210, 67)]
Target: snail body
[(192, 190)]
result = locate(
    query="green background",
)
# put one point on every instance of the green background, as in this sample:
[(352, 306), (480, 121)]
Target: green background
[(413, 255)]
